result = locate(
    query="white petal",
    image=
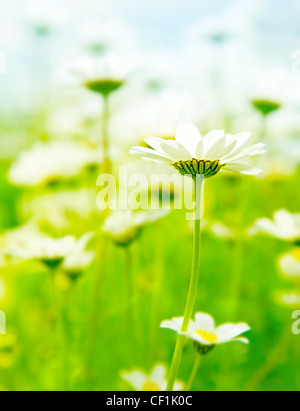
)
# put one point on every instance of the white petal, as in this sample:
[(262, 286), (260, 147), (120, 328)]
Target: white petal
[(229, 331), (242, 168), (149, 154), (188, 136), (174, 324), (155, 143), (211, 138), (136, 379), (204, 322), (199, 152), (175, 150), (158, 374), (247, 152)]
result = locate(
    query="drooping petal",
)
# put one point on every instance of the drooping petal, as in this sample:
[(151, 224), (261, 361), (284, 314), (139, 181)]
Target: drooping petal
[(175, 150), (211, 138), (155, 143), (204, 322), (188, 136), (228, 332), (242, 169), (247, 152), (149, 154)]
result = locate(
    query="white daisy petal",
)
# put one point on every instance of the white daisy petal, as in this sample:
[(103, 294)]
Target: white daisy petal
[(188, 136), (247, 152), (155, 143), (227, 332), (211, 138), (150, 154), (204, 322), (175, 150), (242, 168)]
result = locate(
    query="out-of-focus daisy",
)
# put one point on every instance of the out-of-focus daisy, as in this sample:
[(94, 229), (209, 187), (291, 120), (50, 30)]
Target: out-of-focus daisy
[(285, 226), (155, 381), (266, 107), (288, 298), (50, 162), (204, 332), (123, 226), (289, 264), (192, 154), (100, 74), (79, 259), (60, 209), (38, 246)]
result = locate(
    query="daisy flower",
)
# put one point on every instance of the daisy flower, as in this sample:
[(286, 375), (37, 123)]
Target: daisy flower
[(38, 246), (204, 332), (123, 226), (192, 154), (285, 226), (79, 259), (289, 299), (46, 163), (155, 381), (289, 264)]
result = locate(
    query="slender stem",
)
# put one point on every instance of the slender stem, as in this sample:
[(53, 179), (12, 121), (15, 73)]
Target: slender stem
[(194, 372), (157, 288), (129, 285), (193, 286), (107, 166)]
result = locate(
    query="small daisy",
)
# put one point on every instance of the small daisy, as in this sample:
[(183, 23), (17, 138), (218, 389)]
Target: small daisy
[(192, 154), (289, 264), (203, 331), (46, 163), (123, 226), (38, 246), (285, 226), (155, 381), (79, 259), (289, 299)]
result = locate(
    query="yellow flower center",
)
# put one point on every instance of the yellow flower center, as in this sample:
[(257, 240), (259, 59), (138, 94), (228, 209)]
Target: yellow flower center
[(296, 253), (150, 386), (208, 336)]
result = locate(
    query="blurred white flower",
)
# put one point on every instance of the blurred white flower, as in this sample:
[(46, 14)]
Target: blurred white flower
[(46, 163), (28, 243), (79, 258), (193, 154), (289, 298), (203, 330), (285, 226), (123, 226), (289, 264), (61, 208), (155, 381)]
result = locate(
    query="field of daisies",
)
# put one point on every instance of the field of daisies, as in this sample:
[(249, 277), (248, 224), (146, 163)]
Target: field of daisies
[(109, 279)]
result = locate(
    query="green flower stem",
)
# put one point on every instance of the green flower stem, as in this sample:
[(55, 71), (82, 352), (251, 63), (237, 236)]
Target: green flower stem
[(193, 285), (129, 286), (106, 166), (159, 272), (194, 373)]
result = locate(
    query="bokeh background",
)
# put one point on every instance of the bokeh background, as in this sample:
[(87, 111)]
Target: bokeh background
[(232, 65)]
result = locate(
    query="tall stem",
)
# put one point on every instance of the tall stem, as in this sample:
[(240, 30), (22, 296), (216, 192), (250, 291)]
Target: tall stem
[(106, 167), (194, 372), (193, 285)]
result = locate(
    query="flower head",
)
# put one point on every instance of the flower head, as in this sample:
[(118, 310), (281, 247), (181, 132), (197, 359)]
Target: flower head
[(155, 381), (205, 334), (192, 154), (266, 107), (79, 258), (285, 226), (289, 264), (124, 225), (289, 298), (50, 162)]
